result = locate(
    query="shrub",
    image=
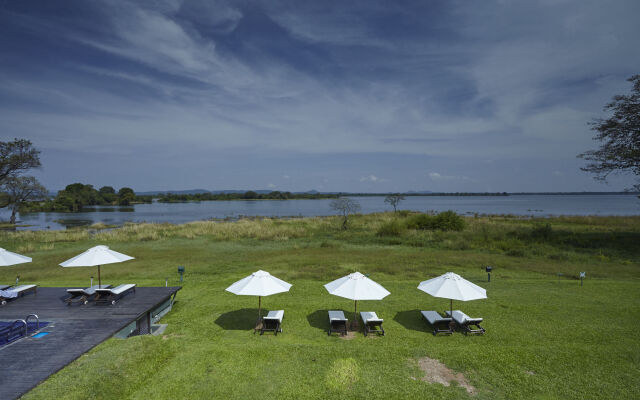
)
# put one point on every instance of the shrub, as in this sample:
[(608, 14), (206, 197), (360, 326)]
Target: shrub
[(421, 221), (449, 221), (393, 228), (542, 231), (445, 221), (404, 213)]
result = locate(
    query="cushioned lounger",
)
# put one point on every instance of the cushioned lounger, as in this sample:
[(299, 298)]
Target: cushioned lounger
[(82, 296), (16, 292), (371, 322), (106, 296), (337, 322), (466, 323), (272, 322), (436, 320), (4, 287)]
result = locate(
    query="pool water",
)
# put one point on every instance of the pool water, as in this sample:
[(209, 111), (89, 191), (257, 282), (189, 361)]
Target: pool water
[(40, 334)]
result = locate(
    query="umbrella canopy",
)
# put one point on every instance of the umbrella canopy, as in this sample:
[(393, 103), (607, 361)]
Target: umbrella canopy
[(356, 287), (260, 283), (8, 258), (98, 255), (453, 287)]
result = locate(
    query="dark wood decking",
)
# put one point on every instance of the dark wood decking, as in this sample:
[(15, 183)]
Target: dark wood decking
[(74, 330)]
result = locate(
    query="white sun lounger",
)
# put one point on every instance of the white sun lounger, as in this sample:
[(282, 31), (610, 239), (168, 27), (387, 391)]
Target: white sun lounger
[(435, 320), (466, 323), (4, 287), (16, 292), (272, 322), (371, 322), (337, 322), (106, 296), (83, 296)]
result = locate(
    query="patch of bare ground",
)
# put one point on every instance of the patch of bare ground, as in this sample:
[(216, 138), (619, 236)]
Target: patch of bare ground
[(437, 372), (350, 335)]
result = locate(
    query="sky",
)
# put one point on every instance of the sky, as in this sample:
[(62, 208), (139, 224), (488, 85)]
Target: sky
[(357, 96)]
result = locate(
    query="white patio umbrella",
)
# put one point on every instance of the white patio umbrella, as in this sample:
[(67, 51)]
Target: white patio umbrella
[(453, 287), (260, 283), (8, 258), (356, 287), (98, 255)]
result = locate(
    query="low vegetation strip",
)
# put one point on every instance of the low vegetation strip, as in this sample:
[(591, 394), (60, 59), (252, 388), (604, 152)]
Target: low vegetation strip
[(547, 336)]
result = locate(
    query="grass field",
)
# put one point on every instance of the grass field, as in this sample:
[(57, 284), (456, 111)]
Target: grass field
[(547, 337)]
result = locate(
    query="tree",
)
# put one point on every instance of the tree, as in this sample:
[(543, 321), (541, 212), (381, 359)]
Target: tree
[(17, 156), (345, 206), (21, 189), (126, 196), (108, 194), (619, 151), (394, 200)]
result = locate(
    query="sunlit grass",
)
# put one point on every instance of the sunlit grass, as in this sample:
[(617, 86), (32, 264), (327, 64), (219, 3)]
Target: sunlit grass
[(547, 337)]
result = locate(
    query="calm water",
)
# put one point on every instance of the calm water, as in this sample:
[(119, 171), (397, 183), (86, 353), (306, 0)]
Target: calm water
[(533, 205)]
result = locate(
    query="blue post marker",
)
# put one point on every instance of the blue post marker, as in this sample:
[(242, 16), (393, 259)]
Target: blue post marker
[(582, 276), (91, 285), (17, 279), (488, 269), (181, 271)]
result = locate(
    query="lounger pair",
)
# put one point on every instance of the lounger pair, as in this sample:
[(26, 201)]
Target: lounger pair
[(272, 322), (15, 292), (337, 322), (371, 322), (111, 295), (439, 323), (82, 296), (466, 323)]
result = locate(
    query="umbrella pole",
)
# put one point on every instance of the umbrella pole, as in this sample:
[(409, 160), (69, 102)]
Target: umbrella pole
[(354, 325), (451, 307), (259, 306), (99, 281)]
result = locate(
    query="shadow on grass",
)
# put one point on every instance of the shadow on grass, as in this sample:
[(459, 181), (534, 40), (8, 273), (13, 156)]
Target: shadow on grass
[(412, 320), (319, 319), (238, 320)]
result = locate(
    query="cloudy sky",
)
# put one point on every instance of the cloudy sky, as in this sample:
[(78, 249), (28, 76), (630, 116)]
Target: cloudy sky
[(334, 96)]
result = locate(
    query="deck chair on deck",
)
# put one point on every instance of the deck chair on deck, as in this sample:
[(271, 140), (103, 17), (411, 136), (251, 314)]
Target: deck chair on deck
[(337, 322), (466, 323), (371, 322), (15, 292), (82, 296), (272, 322), (439, 323), (111, 295)]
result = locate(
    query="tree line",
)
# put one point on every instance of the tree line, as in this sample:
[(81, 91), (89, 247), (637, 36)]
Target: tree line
[(77, 195), (249, 195)]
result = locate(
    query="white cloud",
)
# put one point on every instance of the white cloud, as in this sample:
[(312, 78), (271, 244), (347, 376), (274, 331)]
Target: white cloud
[(370, 178)]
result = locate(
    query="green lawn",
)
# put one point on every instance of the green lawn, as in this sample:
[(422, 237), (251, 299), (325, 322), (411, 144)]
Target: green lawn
[(547, 337)]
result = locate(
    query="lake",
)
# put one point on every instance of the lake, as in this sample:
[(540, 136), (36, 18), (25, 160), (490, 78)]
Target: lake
[(177, 213)]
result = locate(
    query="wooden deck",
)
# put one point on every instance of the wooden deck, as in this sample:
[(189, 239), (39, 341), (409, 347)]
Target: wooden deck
[(74, 330)]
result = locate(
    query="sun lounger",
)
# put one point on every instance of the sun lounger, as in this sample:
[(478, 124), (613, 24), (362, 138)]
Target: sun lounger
[(82, 296), (371, 322), (466, 323), (272, 322), (439, 323), (4, 287), (15, 292), (106, 296), (337, 322)]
